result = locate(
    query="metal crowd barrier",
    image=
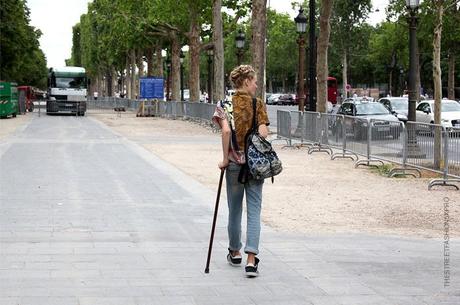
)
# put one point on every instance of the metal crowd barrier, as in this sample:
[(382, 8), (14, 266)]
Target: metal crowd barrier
[(170, 109), (283, 126), (319, 133), (106, 104), (411, 146), (453, 164), (336, 136)]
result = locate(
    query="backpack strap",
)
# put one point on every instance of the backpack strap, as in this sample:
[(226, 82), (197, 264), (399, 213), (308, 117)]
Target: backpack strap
[(243, 176), (254, 114)]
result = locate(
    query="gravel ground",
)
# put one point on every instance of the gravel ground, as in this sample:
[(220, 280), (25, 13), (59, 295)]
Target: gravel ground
[(313, 194)]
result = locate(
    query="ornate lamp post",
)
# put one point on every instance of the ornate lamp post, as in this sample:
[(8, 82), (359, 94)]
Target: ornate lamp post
[(413, 148), (181, 56), (210, 53), (412, 6), (239, 40), (301, 23), (312, 55)]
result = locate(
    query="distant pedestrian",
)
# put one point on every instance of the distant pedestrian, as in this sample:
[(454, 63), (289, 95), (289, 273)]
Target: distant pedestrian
[(95, 94), (235, 118)]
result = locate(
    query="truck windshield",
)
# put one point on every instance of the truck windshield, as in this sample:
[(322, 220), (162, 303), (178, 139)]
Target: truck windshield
[(71, 82)]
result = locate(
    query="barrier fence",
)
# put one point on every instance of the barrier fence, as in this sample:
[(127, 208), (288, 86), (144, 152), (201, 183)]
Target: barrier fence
[(412, 146), (170, 109)]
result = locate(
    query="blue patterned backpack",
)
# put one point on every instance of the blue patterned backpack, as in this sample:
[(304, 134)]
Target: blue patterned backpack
[(261, 160)]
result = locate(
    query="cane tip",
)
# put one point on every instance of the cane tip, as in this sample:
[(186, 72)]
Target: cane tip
[(206, 270)]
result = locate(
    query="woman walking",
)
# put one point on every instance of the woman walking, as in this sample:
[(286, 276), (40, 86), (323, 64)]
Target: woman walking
[(235, 119)]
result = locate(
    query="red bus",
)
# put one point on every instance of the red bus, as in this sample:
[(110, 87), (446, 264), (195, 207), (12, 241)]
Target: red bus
[(331, 91)]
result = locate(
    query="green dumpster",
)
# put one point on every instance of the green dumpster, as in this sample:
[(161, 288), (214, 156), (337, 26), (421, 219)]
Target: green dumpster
[(8, 99)]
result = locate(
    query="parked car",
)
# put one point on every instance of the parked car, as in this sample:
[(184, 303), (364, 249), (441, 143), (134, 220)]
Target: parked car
[(385, 123), (286, 99), (399, 106), (359, 99), (267, 95), (450, 113), (274, 99)]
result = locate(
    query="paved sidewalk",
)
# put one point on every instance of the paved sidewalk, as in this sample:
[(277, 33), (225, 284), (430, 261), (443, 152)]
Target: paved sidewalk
[(89, 217)]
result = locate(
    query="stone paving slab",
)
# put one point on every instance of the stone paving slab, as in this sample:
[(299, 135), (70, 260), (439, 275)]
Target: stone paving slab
[(89, 217)]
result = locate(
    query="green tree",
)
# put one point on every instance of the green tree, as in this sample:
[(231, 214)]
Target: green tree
[(346, 22), (281, 34), (21, 59)]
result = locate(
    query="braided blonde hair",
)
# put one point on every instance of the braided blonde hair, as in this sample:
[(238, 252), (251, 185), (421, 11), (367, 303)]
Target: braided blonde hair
[(240, 74)]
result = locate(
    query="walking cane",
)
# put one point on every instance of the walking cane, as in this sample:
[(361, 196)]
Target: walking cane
[(216, 208)]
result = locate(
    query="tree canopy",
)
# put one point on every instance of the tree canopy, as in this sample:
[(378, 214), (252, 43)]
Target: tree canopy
[(21, 59)]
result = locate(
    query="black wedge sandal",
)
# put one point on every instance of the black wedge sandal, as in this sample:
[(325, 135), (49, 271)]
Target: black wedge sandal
[(251, 270), (233, 260)]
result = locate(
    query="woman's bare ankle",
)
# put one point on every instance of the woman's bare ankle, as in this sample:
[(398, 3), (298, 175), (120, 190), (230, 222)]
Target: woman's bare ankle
[(251, 258)]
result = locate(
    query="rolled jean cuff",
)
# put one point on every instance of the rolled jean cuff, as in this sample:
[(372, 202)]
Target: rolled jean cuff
[(234, 249), (251, 250)]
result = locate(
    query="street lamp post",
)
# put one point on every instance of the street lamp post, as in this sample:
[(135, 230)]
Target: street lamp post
[(413, 150), (412, 6), (239, 40), (301, 23), (401, 80), (210, 53), (181, 56), (312, 55), (168, 77)]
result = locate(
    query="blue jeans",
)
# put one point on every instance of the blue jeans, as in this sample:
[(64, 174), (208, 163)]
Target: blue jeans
[(235, 192)]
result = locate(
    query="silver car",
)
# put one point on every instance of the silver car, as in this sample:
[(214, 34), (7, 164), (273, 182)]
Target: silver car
[(385, 123), (399, 106)]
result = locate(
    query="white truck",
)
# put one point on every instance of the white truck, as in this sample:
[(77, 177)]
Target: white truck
[(67, 90)]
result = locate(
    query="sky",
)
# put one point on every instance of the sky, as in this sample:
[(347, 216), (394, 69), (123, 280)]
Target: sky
[(55, 18)]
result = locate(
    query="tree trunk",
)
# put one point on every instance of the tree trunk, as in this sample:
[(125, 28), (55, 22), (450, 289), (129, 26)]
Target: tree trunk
[(175, 68), (323, 43), (140, 72), (344, 74), (108, 80), (451, 77), (437, 80), (284, 85), (149, 56), (113, 78), (258, 47), (128, 78), (158, 63), (194, 44), (133, 74), (218, 40), (390, 83), (270, 85)]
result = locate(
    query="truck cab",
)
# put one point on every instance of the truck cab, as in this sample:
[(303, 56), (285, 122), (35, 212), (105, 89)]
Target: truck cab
[(67, 90)]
